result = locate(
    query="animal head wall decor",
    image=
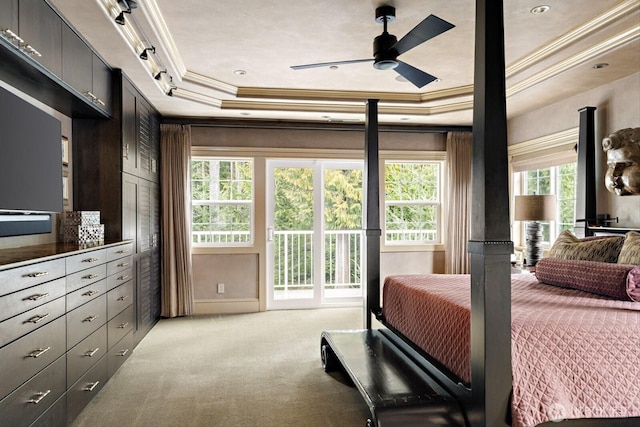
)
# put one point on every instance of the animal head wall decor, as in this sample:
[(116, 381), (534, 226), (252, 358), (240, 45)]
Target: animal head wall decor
[(623, 161)]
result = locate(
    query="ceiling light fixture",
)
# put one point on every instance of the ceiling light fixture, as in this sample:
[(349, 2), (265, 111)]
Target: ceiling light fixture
[(540, 9), (144, 55), (158, 75), (333, 67), (240, 72), (600, 65), (128, 4), (120, 18)]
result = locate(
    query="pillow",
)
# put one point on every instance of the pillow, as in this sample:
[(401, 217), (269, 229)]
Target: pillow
[(602, 278), (604, 249), (630, 252)]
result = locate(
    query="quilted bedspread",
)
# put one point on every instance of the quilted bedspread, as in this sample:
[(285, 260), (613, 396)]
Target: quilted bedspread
[(574, 354)]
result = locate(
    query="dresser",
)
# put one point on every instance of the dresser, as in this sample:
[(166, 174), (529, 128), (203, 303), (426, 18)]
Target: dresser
[(66, 326)]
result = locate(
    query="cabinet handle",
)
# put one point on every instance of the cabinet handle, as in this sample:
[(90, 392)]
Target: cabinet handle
[(126, 156), (123, 325), (91, 318), (123, 251), (90, 276), (91, 386), (100, 101), (39, 352), (125, 277), (90, 260), (8, 34), (124, 264), (91, 95), (38, 397), (90, 293), (91, 353), (123, 353), (123, 297), (38, 274), (37, 319), (36, 297), (30, 50)]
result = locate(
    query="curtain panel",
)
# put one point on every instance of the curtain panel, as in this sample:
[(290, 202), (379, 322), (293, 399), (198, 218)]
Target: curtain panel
[(458, 223), (177, 277)]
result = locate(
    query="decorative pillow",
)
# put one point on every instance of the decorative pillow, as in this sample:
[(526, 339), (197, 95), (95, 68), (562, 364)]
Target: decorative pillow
[(602, 278), (568, 246), (630, 252)]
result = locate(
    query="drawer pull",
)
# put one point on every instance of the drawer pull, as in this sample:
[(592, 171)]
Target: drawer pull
[(123, 325), (90, 293), (90, 276), (30, 50), (39, 352), (123, 264), (124, 251), (91, 386), (91, 318), (36, 297), (90, 260), (123, 297), (37, 318), (125, 277), (38, 397), (92, 353), (38, 274), (12, 36), (123, 353)]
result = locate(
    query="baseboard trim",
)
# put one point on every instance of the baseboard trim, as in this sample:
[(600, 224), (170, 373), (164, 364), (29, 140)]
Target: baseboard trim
[(227, 306)]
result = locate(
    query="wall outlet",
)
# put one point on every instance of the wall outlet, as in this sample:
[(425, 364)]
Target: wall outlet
[(221, 288)]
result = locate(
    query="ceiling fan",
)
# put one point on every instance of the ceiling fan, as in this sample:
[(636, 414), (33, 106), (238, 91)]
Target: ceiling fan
[(387, 48)]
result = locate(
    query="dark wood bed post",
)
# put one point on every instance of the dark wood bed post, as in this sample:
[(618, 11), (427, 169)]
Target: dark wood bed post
[(372, 218), (586, 200), (490, 246)]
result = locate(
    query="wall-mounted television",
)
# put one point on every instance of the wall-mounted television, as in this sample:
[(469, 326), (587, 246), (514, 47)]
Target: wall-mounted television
[(30, 166)]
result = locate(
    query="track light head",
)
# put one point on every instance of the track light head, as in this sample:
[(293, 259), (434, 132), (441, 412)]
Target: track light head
[(120, 18), (144, 55), (128, 4), (158, 75)]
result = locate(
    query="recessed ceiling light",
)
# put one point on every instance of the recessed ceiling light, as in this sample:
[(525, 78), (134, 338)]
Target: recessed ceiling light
[(240, 72), (600, 65), (333, 67), (244, 113), (404, 118), (399, 78), (437, 80), (540, 9)]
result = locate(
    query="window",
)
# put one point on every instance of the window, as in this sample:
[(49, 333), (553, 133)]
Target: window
[(558, 180), (222, 201), (412, 202)]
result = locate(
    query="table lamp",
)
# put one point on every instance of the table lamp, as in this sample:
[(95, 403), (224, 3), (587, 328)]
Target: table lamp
[(534, 208)]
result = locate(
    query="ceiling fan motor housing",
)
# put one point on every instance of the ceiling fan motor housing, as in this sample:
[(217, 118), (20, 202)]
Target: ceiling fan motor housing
[(384, 53)]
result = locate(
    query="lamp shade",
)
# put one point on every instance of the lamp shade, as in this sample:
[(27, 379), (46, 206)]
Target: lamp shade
[(535, 207)]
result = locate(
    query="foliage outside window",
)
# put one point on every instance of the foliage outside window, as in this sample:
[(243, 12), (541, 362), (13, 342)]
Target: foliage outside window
[(222, 201), (558, 180), (412, 202)]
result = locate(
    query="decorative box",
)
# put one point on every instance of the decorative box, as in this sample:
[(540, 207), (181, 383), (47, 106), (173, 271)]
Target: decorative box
[(83, 233), (82, 218)]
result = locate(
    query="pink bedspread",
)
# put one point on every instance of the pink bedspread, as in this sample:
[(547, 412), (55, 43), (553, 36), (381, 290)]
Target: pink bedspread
[(574, 354)]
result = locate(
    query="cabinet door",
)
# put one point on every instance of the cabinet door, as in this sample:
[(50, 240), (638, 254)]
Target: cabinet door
[(77, 63), (129, 207), (102, 84), (155, 147), (41, 28), (9, 16), (129, 130), (144, 138)]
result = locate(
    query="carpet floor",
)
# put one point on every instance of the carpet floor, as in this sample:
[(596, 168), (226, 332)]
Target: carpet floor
[(243, 370)]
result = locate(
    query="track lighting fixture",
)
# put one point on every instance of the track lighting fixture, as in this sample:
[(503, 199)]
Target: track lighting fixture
[(128, 4), (144, 55), (120, 18), (158, 75)]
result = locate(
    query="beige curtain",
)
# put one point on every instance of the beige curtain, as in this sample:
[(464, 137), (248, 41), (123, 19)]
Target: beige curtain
[(458, 224), (177, 280)]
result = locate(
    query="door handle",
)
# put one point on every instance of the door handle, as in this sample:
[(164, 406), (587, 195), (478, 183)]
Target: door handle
[(270, 234)]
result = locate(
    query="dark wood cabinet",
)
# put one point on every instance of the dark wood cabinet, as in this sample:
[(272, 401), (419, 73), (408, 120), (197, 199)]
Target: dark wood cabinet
[(41, 29), (77, 62), (102, 83), (9, 17)]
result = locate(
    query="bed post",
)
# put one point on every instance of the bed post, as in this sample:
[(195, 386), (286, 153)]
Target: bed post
[(372, 213), (586, 199), (490, 246)]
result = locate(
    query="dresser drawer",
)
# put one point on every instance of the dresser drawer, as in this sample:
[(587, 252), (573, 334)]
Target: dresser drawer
[(120, 278), (24, 405), (85, 389), (120, 353), (16, 279), (119, 326), (31, 320), (86, 319), (83, 295), (119, 298), (119, 251), (25, 357), (26, 299), (85, 260), (84, 355), (83, 278), (55, 416), (118, 265)]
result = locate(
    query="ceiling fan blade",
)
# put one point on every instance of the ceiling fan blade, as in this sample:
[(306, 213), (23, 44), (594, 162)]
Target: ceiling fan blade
[(328, 64), (418, 77), (430, 27)]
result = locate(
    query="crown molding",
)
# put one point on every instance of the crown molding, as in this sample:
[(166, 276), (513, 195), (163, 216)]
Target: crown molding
[(196, 97), (327, 95), (562, 139), (602, 20), (210, 83), (159, 27)]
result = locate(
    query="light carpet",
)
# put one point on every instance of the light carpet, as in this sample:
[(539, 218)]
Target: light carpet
[(259, 369)]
